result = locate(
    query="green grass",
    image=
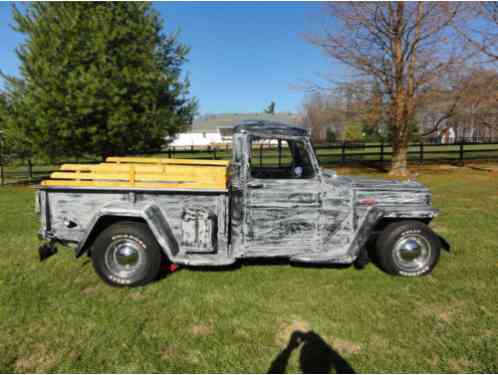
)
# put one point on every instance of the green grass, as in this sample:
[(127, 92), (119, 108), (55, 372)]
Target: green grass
[(57, 316)]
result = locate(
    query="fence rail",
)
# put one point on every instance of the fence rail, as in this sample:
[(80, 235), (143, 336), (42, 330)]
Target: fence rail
[(346, 153)]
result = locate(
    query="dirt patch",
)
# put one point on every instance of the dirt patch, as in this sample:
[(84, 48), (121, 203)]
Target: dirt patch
[(90, 289), (445, 316), (439, 167), (201, 330), (445, 313), (168, 352), (461, 365), (39, 360), (286, 329), (493, 169), (138, 296), (435, 360), (344, 346)]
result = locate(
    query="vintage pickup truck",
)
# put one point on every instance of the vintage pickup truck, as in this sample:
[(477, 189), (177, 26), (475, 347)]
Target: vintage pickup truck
[(134, 215)]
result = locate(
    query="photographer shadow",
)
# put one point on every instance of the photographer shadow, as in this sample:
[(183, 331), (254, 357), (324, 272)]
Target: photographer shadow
[(316, 356)]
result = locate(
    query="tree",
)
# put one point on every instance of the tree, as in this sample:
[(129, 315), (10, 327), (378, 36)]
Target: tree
[(17, 123), (465, 101), (353, 131), (271, 108), (480, 29), (401, 46), (97, 78), (319, 113)]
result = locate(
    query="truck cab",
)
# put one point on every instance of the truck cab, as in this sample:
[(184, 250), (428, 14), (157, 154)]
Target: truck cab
[(273, 201)]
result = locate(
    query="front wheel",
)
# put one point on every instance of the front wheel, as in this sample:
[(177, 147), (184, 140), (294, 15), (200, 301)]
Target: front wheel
[(126, 254), (408, 248)]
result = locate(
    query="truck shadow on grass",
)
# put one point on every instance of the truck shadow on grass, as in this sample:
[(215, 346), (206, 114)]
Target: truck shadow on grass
[(315, 357), (264, 262), (247, 262)]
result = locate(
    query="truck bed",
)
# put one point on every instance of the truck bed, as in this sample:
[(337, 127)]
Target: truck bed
[(144, 173)]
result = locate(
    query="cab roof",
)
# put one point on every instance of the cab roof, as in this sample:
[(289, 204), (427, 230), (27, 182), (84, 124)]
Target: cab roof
[(269, 128)]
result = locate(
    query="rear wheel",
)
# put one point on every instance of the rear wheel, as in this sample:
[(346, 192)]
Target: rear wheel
[(408, 248), (126, 254)]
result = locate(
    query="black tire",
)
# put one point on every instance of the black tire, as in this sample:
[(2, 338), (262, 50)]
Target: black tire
[(126, 254), (407, 248)]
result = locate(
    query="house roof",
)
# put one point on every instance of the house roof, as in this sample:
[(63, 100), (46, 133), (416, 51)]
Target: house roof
[(270, 128), (213, 122)]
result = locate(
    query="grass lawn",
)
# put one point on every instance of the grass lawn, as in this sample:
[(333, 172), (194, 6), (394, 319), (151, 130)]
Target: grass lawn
[(58, 316)]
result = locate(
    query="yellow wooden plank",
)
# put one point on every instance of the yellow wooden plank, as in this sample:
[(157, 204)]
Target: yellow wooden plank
[(164, 175), (146, 160), (144, 168), (144, 172), (115, 184), (155, 177)]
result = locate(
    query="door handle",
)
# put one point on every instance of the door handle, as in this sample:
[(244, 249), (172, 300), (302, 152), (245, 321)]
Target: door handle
[(255, 185)]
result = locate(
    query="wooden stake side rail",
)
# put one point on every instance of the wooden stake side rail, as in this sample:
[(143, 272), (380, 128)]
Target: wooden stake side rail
[(138, 172), (143, 160)]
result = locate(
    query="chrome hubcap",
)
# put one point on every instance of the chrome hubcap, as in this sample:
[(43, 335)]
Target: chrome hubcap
[(124, 258), (412, 252)]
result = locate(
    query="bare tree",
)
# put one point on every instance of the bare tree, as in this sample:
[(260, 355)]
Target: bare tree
[(480, 29), (319, 113), (466, 102), (402, 46)]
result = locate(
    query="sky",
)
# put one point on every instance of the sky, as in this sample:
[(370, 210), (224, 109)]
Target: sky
[(243, 55)]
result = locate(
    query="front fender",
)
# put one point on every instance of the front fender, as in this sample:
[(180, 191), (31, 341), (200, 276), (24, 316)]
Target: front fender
[(155, 218)]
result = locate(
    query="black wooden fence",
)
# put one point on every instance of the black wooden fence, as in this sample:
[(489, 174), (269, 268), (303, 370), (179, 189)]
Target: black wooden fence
[(344, 153)]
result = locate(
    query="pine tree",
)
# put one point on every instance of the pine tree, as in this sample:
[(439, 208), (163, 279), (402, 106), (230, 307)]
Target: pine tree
[(98, 78)]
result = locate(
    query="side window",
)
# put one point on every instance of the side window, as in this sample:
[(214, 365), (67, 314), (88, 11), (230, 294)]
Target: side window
[(274, 158)]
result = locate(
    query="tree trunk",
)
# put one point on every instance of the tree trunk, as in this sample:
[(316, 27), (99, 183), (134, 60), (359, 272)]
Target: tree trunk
[(399, 163), (399, 114)]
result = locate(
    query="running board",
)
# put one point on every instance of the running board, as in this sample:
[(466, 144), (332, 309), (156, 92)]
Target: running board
[(203, 260), (323, 258)]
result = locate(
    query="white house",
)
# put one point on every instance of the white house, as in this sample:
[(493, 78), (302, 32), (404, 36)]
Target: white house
[(217, 129)]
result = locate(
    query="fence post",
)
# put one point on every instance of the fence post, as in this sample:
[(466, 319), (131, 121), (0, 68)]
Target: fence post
[(261, 154), (214, 153), (382, 154), (421, 157), (30, 170), (1, 170), (169, 152), (279, 152), (343, 153), (461, 153)]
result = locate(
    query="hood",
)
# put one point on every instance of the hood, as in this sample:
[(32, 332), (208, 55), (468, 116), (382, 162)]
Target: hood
[(369, 191), (363, 183)]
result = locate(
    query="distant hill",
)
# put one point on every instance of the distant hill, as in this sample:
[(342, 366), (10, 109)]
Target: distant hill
[(211, 122)]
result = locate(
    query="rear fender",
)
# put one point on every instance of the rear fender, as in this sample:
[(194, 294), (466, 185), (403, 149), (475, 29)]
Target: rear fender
[(150, 213)]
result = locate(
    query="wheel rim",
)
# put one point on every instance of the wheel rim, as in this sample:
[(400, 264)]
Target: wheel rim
[(125, 258), (412, 253)]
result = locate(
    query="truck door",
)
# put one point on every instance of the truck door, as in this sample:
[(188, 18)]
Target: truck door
[(282, 199)]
